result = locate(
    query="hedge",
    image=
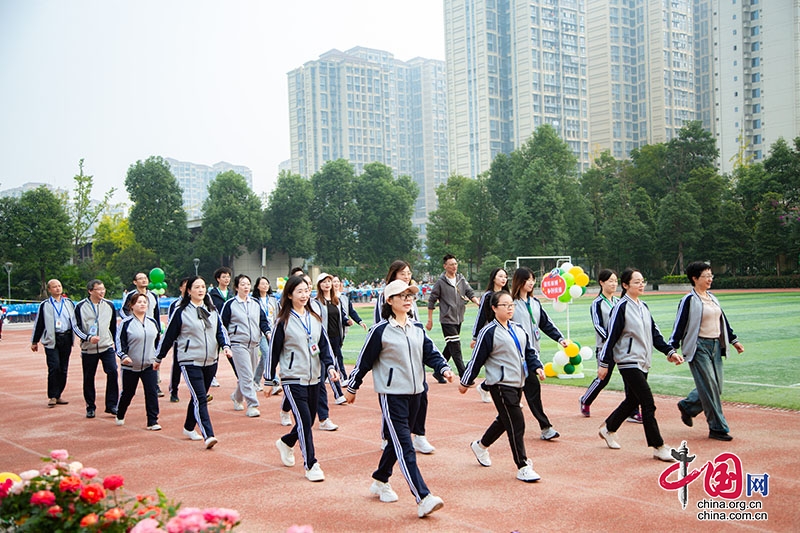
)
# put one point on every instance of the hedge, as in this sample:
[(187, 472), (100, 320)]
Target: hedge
[(744, 282)]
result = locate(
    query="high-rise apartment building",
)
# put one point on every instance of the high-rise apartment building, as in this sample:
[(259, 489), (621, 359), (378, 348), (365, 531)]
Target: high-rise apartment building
[(512, 66), (194, 180), (756, 61), (363, 105)]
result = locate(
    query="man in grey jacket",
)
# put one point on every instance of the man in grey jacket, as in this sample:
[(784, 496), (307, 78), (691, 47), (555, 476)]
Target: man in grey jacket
[(452, 292), (54, 330)]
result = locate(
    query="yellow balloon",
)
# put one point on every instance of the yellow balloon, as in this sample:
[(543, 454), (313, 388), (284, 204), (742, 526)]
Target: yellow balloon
[(9, 475), (576, 271), (572, 349), (281, 282), (548, 370), (581, 280)]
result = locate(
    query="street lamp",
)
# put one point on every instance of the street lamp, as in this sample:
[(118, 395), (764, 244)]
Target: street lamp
[(196, 262), (8, 265)]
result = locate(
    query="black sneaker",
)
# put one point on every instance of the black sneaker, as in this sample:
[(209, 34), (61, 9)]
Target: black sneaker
[(90, 413), (719, 435), (686, 418), (438, 377), (112, 411), (174, 399)]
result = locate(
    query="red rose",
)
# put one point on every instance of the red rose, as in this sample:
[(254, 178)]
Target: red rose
[(89, 520), (70, 484), (43, 497), (55, 511), (113, 482), (112, 515), (4, 487), (93, 493)]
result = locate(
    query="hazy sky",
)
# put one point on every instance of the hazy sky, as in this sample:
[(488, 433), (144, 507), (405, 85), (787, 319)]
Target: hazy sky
[(114, 82)]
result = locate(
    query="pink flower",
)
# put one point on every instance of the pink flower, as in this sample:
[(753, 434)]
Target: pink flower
[(112, 515), (189, 519), (59, 455), (300, 529), (29, 475), (55, 511), (113, 482), (5, 487), (219, 514), (43, 497), (148, 525), (88, 472)]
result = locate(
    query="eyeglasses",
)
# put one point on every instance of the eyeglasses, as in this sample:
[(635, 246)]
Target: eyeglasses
[(708, 276), (638, 282), (405, 296), (507, 306)]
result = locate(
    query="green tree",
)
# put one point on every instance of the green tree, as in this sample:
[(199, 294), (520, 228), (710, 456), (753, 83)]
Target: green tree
[(679, 226), (232, 219), (334, 213), (475, 201), (157, 217), (449, 229), (84, 213), (113, 234), (288, 217), (384, 229)]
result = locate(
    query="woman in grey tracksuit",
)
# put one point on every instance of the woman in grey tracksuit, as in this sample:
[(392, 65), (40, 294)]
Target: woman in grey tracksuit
[(396, 350), (137, 339), (196, 328), (300, 346), (505, 350), (247, 323)]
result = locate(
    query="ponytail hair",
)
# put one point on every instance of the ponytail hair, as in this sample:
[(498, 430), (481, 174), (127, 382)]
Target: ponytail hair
[(625, 278)]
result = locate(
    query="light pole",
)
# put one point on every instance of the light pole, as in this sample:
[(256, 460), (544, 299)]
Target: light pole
[(196, 262), (8, 265)]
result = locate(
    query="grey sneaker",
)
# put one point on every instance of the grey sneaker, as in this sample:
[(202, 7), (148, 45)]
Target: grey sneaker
[(550, 433)]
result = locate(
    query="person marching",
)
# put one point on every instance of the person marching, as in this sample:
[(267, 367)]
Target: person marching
[(140, 282), (300, 346), (396, 350), (529, 314), (600, 312), (175, 371), (219, 295), (498, 281), (632, 334), (402, 270), (350, 315), (54, 329), (247, 324), (334, 320), (504, 348), (196, 328), (703, 329), (262, 292), (137, 338)]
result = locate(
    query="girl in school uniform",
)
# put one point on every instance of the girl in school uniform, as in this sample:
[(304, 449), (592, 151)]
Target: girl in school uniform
[(396, 350), (300, 346), (498, 281), (504, 349), (137, 338), (632, 335), (529, 314), (262, 292)]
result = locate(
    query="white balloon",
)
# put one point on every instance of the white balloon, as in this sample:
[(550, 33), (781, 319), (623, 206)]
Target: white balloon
[(586, 352), (566, 266), (560, 358), (559, 306), (575, 291)]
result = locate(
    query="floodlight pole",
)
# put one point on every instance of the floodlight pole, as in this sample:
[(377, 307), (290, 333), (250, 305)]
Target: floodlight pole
[(8, 266), (196, 262)]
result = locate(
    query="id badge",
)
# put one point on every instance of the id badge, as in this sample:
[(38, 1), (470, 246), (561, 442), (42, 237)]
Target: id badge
[(537, 334), (58, 325), (313, 349), (93, 330)]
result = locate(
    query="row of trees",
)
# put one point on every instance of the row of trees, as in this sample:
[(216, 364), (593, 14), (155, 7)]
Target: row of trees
[(665, 206)]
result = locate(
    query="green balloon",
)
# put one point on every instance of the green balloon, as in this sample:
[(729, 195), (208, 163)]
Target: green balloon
[(156, 275), (565, 298), (569, 368), (151, 285), (569, 278), (575, 360)]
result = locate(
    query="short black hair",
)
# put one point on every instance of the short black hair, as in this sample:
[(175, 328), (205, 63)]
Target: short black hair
[(222, 270), (448, 257), (696, 269)]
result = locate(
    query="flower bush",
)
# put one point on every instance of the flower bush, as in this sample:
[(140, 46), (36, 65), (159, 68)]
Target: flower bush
[(66, 496)]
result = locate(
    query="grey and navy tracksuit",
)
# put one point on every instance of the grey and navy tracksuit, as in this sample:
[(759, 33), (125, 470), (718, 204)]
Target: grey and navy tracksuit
[(452, 304), (600, 311), (246, 323), (397, 356), (301, 372), (508, 357), (198, 335), (53, 329), (97, 320), (138, 341), (335, 338), (704, 356), (632, 335), (529, 314)]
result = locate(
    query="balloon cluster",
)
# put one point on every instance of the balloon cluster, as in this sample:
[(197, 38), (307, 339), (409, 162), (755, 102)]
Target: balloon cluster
[(573, 285), (281, 283), (568, 363), (157, 283)]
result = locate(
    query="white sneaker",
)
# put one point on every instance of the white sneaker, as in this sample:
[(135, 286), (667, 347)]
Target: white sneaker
[(384, 444), (214, 382), (315, 473), (485, 396), (481, 453), (211, 442), (664, 453), (154, 427), (327, 425), (384, 490), (276, 389), (258, 386), (120, 421), (608, 436), (340, 400), (428, 505), (236, 405), (527, 473), (422, 445), (253, 412), (286, 418), (194, 435), (550, 433), (287, 453)]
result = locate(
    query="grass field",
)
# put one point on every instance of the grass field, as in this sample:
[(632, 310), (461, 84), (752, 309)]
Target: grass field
[(767, 324)]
